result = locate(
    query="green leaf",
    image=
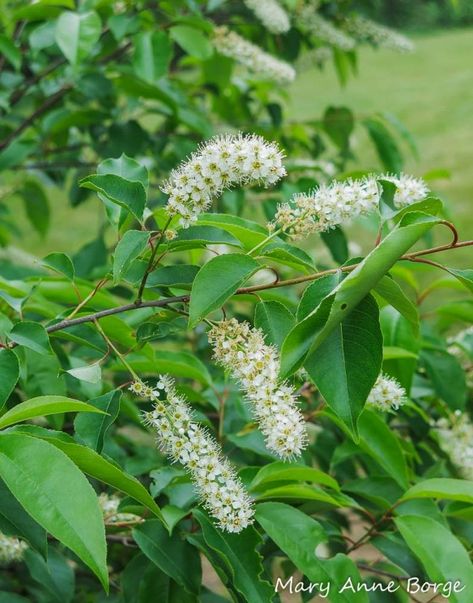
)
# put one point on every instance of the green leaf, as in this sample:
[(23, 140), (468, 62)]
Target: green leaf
[(179, 364), (193, 41), (275, 320), (152, 55), (127, 193), (385, 144), (339, 122), (180, 276), (20, 523), (196, 237), (125, 167), (390, 291), (9, 373), (54, 575), (298, 492), (464, 276), (36, 473), (43, 406), (90, 373), (238, 554), (91, 429), (77, 33), (399, 333), (347, 363), (31, 335), (60, 262), (10, 52), (309, 334), (447, 377), (441, 554), (379, 441), (444, 488), (337, 244), (131, 245), (174, 556), (248, 232), (291, 472), (298, 536), (36, 205), (99, 468), (218, 280)]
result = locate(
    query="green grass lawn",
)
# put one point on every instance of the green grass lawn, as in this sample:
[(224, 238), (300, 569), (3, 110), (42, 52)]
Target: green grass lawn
[(430, 91)]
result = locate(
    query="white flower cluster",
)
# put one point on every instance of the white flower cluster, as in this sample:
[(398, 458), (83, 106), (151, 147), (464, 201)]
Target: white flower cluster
[(331, 205), (456, 439), (185, 441), (387, 394), (365, 30), (221, 162), (318, 56), (242, 351), (327, 207), (461, 346), (271, 14), (310, 20), (265, 65), (11, 549), (109, 504), (409, 189)]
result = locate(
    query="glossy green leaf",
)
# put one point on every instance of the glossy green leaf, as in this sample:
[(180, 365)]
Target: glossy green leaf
[(441, 554), (54, 574), (90, 373), (9, 373), (91, 429), (174, 556), (464, 276), (298, 536), (77, 33), (153, 52), (308, 335), (248, 232), (11, 52), (31, 335), (347, 363), (297, 492), (291, 472), (275, 320), (442, 487), (36, 473), (61, 263), (238, 554), (385, 144), (447, 376), (193, 41), (36, 202), (127, 193), (131, 245), (43, 406), (390, 291), (218, 280)]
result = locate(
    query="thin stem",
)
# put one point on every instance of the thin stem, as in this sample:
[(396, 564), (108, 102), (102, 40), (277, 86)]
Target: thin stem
[(150, 265), (264, 241), (117, 352), (160, 303)]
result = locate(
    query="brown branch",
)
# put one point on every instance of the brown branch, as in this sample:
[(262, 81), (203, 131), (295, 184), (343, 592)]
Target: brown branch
[(160, 303), (19, 93), (374, 570)]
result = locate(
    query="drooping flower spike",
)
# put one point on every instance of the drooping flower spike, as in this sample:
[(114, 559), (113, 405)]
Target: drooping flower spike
[(456, 440), (313, 23), (220, 163), (271, 14), (365, 30), (183, 440), (265, 65), (242, 351), (387, 394), (331, 205)]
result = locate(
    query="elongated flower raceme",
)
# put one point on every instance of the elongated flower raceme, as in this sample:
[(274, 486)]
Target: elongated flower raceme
[(271, 14), (387, 394), (365, 30), (265, 65), (220, 163), (183, 440), (242, 351), (340, 202), (312, 22), (456, 440), (11, 549), (109, 504)]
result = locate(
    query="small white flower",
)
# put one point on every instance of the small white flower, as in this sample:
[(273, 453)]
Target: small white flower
[(11, 549), (408, 189), (232, 45), (183, 440), (271, 14), (222, 162), (387, 394), (312, 22), (365, 30), (242, 351), (456, 440)]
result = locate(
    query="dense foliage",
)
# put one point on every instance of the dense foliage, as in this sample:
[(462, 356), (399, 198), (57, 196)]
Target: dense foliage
[(219, 377)]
